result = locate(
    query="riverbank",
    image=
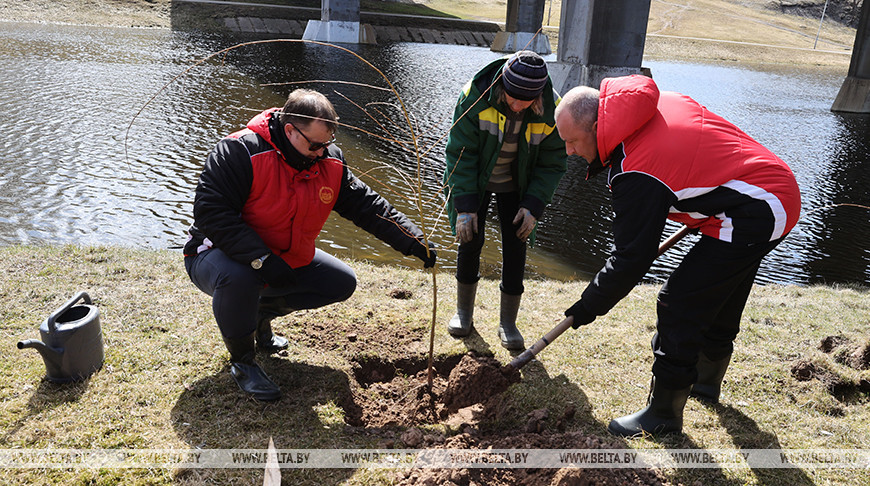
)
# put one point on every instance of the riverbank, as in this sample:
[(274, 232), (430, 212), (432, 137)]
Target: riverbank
[(694, 31), (799, 377)]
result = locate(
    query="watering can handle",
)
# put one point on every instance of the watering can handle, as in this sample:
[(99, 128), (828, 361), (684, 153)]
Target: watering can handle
[(52, 326)]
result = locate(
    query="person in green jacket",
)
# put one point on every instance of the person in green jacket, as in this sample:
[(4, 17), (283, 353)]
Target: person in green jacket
[(503, 143)]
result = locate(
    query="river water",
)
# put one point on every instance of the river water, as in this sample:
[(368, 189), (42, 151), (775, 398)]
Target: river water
[(105, 131)]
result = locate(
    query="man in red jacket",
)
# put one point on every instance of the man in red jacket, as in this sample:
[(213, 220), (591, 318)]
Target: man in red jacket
[(671, 158), (263, 197)]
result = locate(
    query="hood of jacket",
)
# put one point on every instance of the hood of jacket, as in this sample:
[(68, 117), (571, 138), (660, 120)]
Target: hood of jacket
[(625, 105), (260, 125)]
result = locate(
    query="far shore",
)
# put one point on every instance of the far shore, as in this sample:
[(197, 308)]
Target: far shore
[(660, 45)]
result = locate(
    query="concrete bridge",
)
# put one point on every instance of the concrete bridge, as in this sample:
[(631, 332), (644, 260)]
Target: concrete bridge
[(597, 39), (854, 95)]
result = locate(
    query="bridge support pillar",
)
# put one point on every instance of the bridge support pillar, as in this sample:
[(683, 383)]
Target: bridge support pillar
[(854, 95), (599, 39), (523, 28), (339, 23)]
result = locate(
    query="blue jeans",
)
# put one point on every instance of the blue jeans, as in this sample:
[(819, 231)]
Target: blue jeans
[(239, 294)]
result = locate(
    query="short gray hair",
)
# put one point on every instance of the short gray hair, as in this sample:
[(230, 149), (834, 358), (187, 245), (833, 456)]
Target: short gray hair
[(581, 103)]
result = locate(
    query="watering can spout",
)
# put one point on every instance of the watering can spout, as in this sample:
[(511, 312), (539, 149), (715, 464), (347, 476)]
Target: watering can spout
[(49, 354)]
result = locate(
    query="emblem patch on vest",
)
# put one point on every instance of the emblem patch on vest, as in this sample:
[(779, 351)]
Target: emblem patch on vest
[(326, 195)]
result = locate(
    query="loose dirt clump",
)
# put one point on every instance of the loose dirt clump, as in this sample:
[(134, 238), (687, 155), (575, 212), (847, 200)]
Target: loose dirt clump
[(389, 395), (401, 294), (840, 387), (857, 358), (830, 343), (806, 370), (476, 379)]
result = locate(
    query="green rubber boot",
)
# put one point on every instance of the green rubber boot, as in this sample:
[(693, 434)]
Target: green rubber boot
[(461, 323), (508, 333), (662, 415), (710, 376)]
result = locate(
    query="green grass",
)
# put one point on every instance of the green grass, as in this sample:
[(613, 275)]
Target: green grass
[(164, 384)]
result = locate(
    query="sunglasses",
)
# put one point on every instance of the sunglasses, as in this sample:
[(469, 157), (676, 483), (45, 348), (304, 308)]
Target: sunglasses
[(314, 146)]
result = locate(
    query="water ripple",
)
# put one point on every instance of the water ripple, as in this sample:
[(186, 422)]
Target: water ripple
[(72, 172)]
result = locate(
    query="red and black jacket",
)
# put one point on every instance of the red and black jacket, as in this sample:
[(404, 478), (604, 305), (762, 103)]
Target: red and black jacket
[(250, 201), (671, 158)]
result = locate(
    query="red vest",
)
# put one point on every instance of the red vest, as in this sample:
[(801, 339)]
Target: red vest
[(708, 163), (286, 207)]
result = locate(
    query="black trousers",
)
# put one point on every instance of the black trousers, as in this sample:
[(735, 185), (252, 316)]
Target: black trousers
[(513, 249), (239, 294), (700, 306)]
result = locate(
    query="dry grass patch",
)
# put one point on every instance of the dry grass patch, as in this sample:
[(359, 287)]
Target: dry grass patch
[(164, 384)]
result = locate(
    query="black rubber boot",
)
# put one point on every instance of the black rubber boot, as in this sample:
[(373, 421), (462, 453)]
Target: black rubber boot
[(247, 373), (461, 323), (508, 333), (662, 415), (710, 376), (267, 341)]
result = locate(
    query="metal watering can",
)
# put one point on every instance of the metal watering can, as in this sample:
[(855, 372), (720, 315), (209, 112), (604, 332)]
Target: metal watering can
[(72, 341)]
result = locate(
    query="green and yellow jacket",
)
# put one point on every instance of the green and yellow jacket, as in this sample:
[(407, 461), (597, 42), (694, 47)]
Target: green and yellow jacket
[(475, 141)]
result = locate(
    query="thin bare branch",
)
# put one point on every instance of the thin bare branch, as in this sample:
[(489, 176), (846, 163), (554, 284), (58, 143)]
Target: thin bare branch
[(326, 81), (354, 103)]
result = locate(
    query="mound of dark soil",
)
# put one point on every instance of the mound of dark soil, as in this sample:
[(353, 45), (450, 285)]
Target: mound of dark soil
[(857, 358), (475, 380), (831, 343), (806, 370), (393, 395)]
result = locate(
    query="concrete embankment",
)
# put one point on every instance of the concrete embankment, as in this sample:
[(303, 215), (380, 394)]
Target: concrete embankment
[(280, 20)]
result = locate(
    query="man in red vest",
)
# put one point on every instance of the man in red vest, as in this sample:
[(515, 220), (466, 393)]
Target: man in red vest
[(671, 158), (263, 197)]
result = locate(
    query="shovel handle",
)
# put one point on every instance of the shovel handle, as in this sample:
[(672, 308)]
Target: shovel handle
[(673, 239), (557, 331), (542, 343)]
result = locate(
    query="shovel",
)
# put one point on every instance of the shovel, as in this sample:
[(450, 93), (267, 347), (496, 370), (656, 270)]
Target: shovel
[(557, 331)]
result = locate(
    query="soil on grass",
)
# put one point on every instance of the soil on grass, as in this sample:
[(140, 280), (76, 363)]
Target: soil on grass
[(391, 400), (845, 353), (461, 393), (464, 393), (476, 380)]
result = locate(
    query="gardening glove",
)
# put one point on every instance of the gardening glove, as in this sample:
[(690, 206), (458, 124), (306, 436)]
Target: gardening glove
[(277, 273), (466, 226), (580, 314), (526, 222), (419, 251)]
